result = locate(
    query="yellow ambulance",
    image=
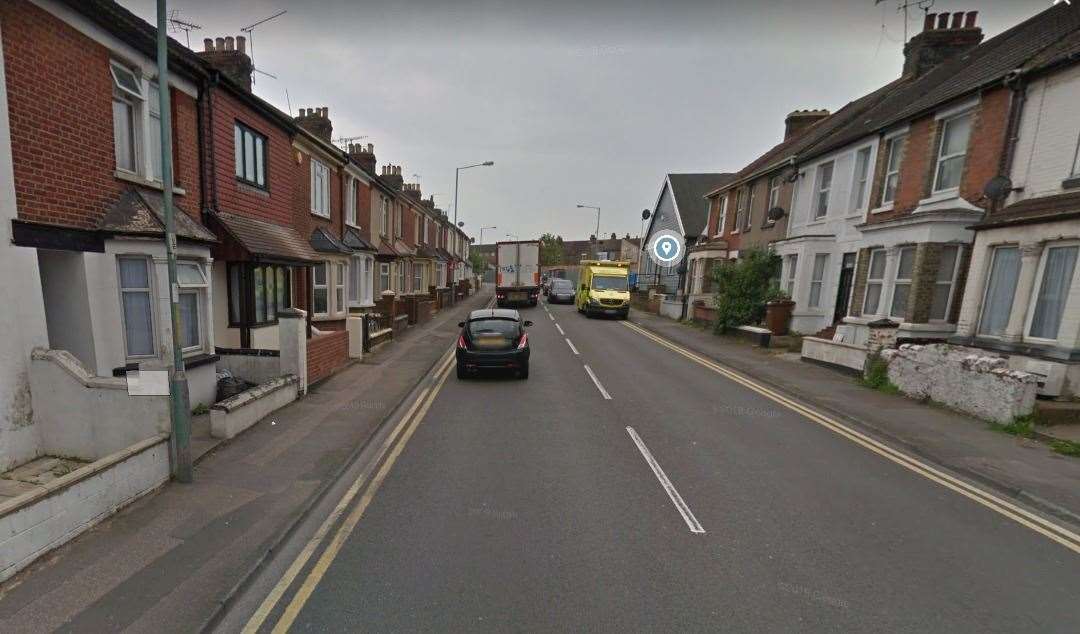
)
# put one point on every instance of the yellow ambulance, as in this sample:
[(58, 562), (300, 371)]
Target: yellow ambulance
[(604, 288)]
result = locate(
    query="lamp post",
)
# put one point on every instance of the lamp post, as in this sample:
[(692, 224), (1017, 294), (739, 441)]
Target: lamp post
[(457, 177), (597, 217)]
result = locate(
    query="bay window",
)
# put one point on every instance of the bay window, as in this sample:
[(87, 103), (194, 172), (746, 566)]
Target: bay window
[(952, 150), (340, 275), (817, 278), (1055, 278), (384, 277), (320, 291), (944, 282), (257, 292), (902, 283), (191, 283), (1000, 290), (249, 149), (418, 277), (875, 281), (137, 306), (792, 265)]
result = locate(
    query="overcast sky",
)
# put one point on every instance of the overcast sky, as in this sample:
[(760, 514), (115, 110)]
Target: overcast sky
[(575, 101)]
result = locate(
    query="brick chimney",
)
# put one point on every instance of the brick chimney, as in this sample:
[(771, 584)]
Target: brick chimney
[(364, 156), (412, 190), (799, 120), (391, 175), (943, 37), (229, 55), (317, 122), (428, 203)]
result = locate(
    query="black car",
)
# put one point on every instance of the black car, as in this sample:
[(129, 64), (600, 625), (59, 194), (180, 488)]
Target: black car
[(561, 292), (493, 339)]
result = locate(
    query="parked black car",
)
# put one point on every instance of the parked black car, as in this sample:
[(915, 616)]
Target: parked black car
[(493, 339), (561, 292)]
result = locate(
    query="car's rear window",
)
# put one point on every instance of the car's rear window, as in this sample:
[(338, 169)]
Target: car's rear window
[(506, 328), (561, 284)]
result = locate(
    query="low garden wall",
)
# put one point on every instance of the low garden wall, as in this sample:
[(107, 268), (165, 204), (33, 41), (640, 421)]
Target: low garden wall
[(966, 379)]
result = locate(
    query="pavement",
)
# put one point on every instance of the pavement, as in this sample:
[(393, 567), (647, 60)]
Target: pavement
[(631, 486), (169, 561)]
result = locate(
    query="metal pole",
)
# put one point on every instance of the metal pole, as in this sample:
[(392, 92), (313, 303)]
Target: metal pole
[(179, 411), (597, 224), (457, 175)]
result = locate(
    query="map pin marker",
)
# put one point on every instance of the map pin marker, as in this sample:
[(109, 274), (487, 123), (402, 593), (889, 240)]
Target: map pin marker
[(665, 246)]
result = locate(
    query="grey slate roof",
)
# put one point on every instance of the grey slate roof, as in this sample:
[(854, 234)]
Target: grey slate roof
[(140, 212), (355, 241), (266, 239), (689, 191), (323, 242)]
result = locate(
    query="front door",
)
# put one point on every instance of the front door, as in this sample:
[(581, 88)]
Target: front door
[(843, 287)]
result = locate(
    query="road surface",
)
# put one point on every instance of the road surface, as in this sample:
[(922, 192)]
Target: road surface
[(628, 487)]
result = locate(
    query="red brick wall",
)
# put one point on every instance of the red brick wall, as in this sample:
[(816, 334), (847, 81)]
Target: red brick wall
[(326, 354), (273, 205), (61, 123)]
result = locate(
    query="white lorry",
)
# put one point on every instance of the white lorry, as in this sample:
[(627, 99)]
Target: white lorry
[(517, 273)]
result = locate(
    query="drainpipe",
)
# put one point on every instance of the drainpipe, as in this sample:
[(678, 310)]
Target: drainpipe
[(1015, 82)]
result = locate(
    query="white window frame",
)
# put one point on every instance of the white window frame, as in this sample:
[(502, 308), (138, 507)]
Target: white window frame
[(401, 278), (860, 179), (340, 282), (722, 222), (1037, 286), (792, 265), (940, 159), (399, 220), (817, 280), (145, 137), (901, 281), (740, 201), (775, 184), (325, 287), (350, 201), (199, 290), (320, 189), (149, 291), (822, 187), (898, 140), (749, 217), (880, 281), (424, 220), (418, 276), (994, 250), (384, 230), (385, 279), (952, 283)]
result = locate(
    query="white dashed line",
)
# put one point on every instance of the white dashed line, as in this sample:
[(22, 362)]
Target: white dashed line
[(676, 499), (571, 344), (595, 380), (551, 317), (559, 328)]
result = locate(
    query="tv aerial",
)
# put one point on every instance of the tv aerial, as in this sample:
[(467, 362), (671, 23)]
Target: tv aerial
[(250, 30), (176, 24), (346, 140)]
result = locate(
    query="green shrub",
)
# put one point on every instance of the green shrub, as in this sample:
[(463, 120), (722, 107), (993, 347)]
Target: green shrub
[(1023, 426), (1066, 447), (876, 375), (743, 287), (200, 409)]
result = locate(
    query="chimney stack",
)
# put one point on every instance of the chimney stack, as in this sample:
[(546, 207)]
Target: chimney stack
[(944, 36), (391, 175), (229, 55), (317, 122), (412, 190), (798, 121), (364, 156)]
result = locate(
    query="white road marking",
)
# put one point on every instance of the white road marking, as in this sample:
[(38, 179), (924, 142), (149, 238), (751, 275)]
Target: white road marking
[(592, 376), (559, 328), (676, 499), (551, 317), (571, 344)]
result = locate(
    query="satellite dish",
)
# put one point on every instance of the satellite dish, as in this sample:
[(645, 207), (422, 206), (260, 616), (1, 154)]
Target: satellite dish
[(645, 214), (461, 223), (997, 188), (776, 213)]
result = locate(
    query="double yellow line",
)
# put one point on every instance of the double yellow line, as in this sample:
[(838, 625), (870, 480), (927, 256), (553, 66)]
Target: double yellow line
[(1049, 529), (401, 434)]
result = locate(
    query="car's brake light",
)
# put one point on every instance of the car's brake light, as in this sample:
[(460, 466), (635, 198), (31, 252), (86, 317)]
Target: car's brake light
[(524, 341), (461, 342)]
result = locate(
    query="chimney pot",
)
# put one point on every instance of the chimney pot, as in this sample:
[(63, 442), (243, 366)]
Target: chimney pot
[(208, 44), (943, 21), (241, 43), (928, 22), (371, 148), (969, 22), (957, 19), (229, 43), (219, 44)]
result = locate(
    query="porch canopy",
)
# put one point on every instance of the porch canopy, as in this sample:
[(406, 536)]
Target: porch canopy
[(247, 239)]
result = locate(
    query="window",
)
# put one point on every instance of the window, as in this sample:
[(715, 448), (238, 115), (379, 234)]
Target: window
[(792, 265), (384, 276), (137, 306), (951, 152), (1058, 265), (399, 220), (416, 227), (875, 279), (350, 200), (192, 286), (948, 265), (384, 229), (127, 104), (265, 289), (418, 277), (740, 209), (249, 148), (894, 155), (774, 198), (902, 283), (320, 189), (722, 222), (822, 188), (441, 275), (817, 279), (401, 277), (861, 178), (320, 291), (748, 218), (1000, 290), (340, 278), (154, 132), (425, 230)]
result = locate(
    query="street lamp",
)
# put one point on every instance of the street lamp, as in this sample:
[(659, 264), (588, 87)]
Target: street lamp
[(597, 217), (457, 176), (482, 232)]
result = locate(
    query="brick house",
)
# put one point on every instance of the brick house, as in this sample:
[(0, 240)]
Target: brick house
[(1022, 299), (87, 185)]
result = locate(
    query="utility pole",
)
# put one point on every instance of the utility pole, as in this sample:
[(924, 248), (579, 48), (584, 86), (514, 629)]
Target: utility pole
[(179, 410)]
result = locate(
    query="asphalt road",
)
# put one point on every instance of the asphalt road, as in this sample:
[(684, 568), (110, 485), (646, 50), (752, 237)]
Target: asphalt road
[(529, 506)]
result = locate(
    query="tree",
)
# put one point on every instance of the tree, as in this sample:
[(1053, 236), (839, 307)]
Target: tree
[(478, 262), (551, 250), (743, 287)]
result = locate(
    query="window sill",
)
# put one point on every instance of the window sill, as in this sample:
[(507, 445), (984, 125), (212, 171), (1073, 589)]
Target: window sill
[(139, 180), (248, 188), (817, 222), (319, 215), (937, 197), (882, 209), (1072, 182)]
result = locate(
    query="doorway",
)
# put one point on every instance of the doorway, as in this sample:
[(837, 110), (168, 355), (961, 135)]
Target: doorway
[(843, 287)]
